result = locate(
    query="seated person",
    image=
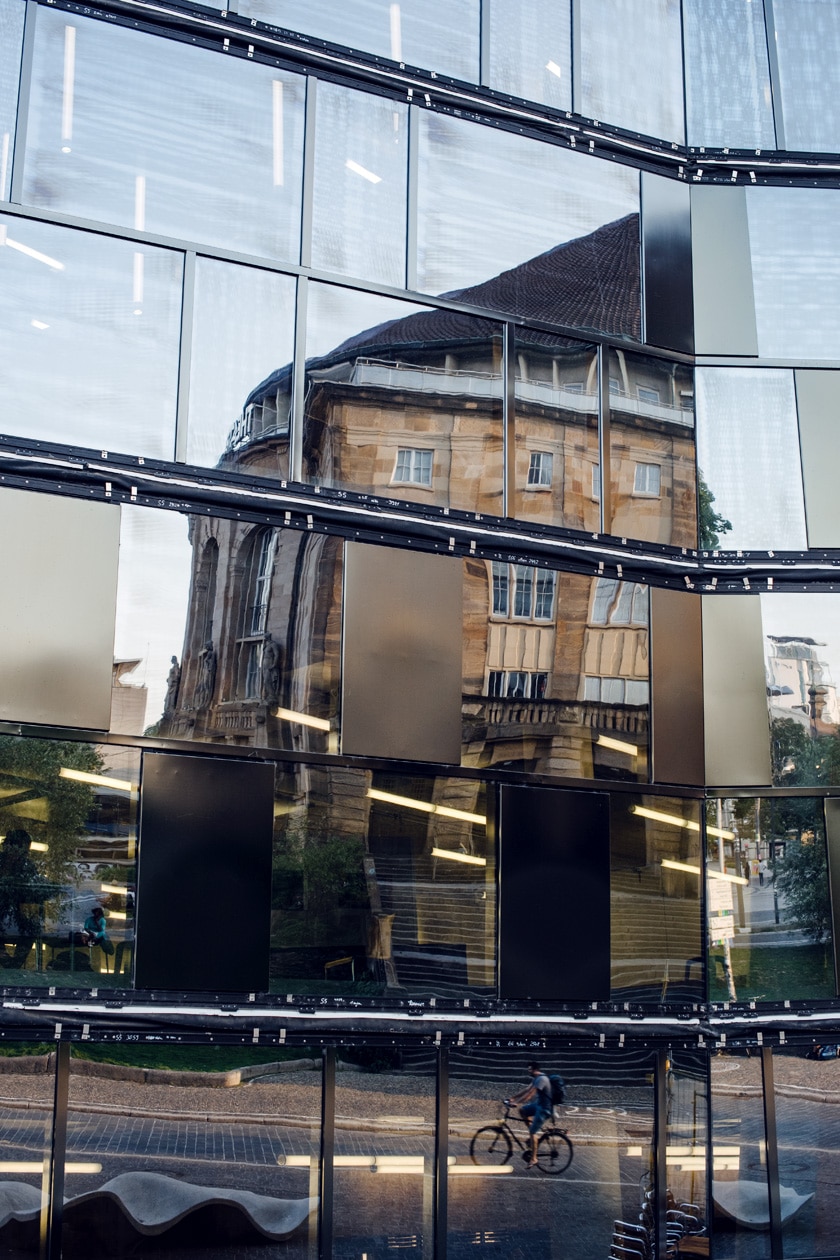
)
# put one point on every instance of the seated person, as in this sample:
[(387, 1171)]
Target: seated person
[(95, 930)]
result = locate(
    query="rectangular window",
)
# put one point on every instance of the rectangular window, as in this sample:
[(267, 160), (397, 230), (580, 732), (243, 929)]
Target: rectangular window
[(523, 590), (517, 684), (496, 682), (501, 590), (596, 481), (540, 468), (647, 479), (413, 466), (544, 603), (647, 394)]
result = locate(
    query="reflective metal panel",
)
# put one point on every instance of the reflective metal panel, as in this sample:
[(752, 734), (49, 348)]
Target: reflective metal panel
[(205, 861), (808, 49), (154, 134), (724, 313), (90, 328), (750, 481), (632, 65), (557, 232), (734, 688), (57, 620), (361, 171), (676, 687), (666, 262), (558, 844), (11, 37), (832, 832), (817, 402), (401, 676), (530, 49), (727, 77)]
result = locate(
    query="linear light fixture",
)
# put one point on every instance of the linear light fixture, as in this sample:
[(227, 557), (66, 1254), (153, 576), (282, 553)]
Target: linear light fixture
[(113, 888), (695, 870), (675, 820), (303, 719), (5, 239), (68, 86), (38, 846), (425, 807), (37, 1166), (39, 324), (98, 780), (396, 33), (459, 857), (553, 68), (358, 169), (606, 741)]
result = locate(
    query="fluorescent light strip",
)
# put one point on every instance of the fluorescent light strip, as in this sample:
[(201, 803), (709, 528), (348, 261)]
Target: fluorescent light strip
[(113, 888), (68, 86), (459, 857), (396, 33), (606, 741), (98, 780), (676, 821), (303, 719), (277, 131), (553, 68), (425, 807), (358, 169), (695, 870), (39, 324), (38, 846), (37, 1166), (30, 252), (716, 831)]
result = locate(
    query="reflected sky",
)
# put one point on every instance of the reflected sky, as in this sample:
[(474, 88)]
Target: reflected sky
[(804, 615), (11, 36)]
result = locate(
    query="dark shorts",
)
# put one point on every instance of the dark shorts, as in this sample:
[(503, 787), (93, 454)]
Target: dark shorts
[(539, 1116)]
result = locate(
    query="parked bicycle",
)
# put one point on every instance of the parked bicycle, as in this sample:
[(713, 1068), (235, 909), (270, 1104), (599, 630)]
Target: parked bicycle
[(493, 1144)]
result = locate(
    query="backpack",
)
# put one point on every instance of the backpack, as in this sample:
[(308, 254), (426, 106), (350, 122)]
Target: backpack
[(558, 1089)]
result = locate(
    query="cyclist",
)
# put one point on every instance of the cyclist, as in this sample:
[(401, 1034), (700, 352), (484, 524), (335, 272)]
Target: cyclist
[(535, 1105)]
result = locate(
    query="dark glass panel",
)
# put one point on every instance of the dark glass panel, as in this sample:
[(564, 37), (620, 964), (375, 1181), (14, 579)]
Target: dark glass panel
[(557, 477), (228, 632), (808, 48), (652, 454), (748, 461), (149, 1128), (739, 1159), (67, 863), (727, 77), (440, 34), (91, 330), (361, 152), (381, 883), (153, 134), (497, 1204), (11, 39), (384, 1152), (243, 331), (409, 408), (632, 65), (687, 1085), (556, 672), (527, 228), (809, 1152), (531, 50), (657, 935), (27, 1085), (769, 905)]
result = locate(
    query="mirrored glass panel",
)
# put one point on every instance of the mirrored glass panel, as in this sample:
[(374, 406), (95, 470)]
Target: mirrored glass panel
[(227, 631), (632, 65), (687, 1087), (594, 1156), (652, 455), (657, 934), (531, 50), (808, 48), (11, 39), (796, 271), (727, 78), (739, 1159), (802, 660), (748, 464), (361, 171), (768, 898), (409, 408), (809, 1151), (27, 1085), (240, 390), (163, 1139), (557, 473), (90, 330), (384, 1152), (67, 863), (440, 34), (527, 228), (383, 884), (556, 672), (154, 134)]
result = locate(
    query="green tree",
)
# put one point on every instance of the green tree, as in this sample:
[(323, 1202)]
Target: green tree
[(35, 796), (803, 878), (711, 523)]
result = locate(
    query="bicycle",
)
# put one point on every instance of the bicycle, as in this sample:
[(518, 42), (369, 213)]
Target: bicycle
[(491, 1144)]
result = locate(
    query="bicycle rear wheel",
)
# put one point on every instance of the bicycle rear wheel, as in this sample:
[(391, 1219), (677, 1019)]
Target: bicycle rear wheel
[(554, 1152), (490, 1145)]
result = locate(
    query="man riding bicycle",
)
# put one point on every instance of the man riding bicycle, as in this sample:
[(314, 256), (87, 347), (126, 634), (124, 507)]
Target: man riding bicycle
[(537, 1105)]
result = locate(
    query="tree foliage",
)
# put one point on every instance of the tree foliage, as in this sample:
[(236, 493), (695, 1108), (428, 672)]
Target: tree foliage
[(52, 809), (711, 523)]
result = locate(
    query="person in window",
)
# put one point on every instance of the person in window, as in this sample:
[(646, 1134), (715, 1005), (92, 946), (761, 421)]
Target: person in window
[(23, 892), (96, 930), (534, 1102)]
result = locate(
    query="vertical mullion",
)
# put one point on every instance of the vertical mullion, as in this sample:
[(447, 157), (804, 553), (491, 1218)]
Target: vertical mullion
[(327, 1164), (484, 43), (53, 1212), (660, 1146), (299, 382), (509, 419), (441, 1153), (684, 76), (411, 197), (24, 91), (307, 199), (182, 407), (604, 436), (577, 75), (775, 78), (772, 1152)]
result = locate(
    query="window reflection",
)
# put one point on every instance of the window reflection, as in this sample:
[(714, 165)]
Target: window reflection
[(687, 1088), (381, 882), (739, 1159), (652, 456), (524, 63), (809, 1158), (556, 672), (91, 336), (808, 44), (154, 134), (727, 77), (67, 863), (27, 1074), (768, 899), (11, 39)]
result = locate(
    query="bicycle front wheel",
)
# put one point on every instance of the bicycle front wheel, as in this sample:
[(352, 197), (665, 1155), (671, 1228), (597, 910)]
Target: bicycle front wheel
[(554, 1152), (490, 1145)]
